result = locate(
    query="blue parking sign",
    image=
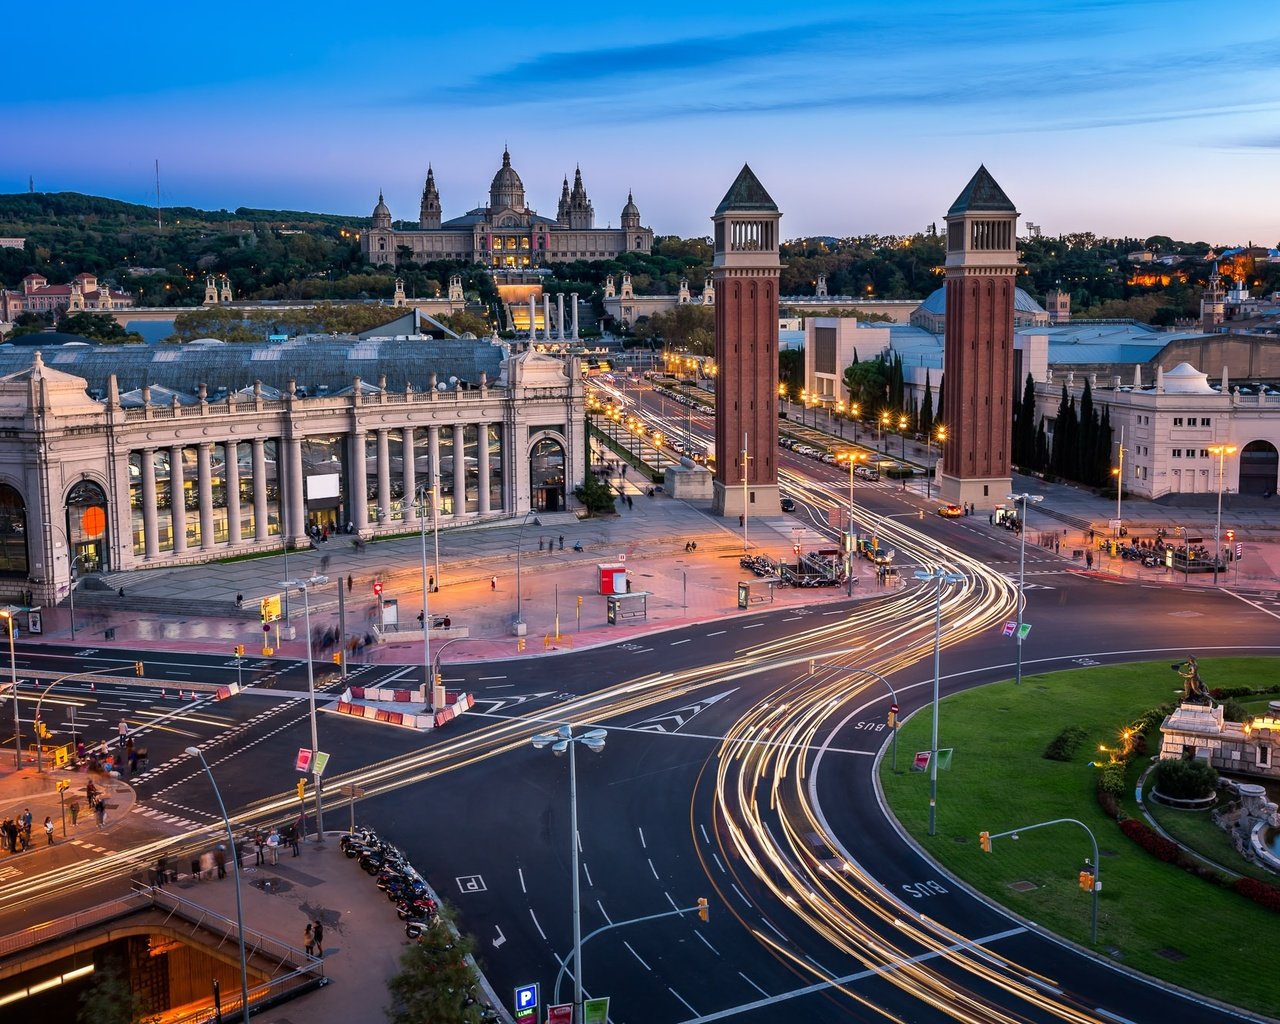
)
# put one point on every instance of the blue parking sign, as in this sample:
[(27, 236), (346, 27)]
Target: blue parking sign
[(526, 1005)]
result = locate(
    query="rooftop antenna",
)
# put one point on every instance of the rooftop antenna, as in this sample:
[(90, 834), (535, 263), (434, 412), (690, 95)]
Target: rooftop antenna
[(159, 215)]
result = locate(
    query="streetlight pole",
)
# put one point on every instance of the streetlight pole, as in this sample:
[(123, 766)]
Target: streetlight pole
[(305, 586), (852, 458), (902, 433), (428, 682), (1119, 482), (941, 576), (8, 614), (235, 874), (561, 740), (1221, 451), (518, 622), (1022, 570)]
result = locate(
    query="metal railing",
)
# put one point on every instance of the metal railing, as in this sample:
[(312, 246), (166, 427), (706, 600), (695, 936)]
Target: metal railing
[(46, 931)]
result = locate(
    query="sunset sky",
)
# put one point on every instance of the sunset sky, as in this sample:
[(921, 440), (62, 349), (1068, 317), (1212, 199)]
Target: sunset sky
[(1122, 117)]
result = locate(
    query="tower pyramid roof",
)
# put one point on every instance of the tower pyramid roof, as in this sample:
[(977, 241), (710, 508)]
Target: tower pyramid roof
[(982, 195), (746, 193)]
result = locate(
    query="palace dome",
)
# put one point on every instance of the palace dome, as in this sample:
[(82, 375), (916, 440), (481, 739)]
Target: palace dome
[(507, 188)]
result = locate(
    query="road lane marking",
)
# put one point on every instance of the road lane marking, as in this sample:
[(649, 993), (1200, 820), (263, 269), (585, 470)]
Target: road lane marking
[(647, 967), (587, 871), (536, 925), (643, 845), (677, 643), (656, 877), (716, 857), (520, 872), (678, 996), (707, 944), (754, 625), (705, 838), (753, 984), (603, 913), (740, 894), (1254, 604), (718, 632)]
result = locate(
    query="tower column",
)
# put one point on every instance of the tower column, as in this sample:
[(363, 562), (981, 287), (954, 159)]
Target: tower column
[(204, 483), (459, 471), (560, 316), (178, 500), (574, 297), (410, 476), (231, 481), (482, 461), (260, 514), (150, 533), (384, 477)]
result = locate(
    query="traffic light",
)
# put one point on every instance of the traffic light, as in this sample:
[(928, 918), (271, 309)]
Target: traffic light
[(520, 643), (984, 840), (1231, 535), (795, 550), (337, 657), (893, 720), (704, 912), (137, 668), (42, 730), (63, 785), (239, 650), (579, 600), (302, 789), (1086, 881)]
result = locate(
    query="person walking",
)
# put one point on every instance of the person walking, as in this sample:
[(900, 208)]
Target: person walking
[(101, 809), (309, 941), (73, 809), (123, 730), (220, 859), (317, 933), (48, 830), (493, 583)]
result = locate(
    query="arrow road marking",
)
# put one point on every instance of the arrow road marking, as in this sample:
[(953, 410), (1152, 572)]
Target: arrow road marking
[(673, 720), (497, 704), (500, 939)]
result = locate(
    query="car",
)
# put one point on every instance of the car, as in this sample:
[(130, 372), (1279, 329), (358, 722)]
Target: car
[(951, 511), (788, 505)]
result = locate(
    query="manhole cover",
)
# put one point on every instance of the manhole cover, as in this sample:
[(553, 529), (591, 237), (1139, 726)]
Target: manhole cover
[(271, 885), (1023, 886), (1171, 954)]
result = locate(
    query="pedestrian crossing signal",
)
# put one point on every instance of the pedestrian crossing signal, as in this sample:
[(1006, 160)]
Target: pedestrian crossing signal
[(337, 657), (239, 650), (1086, 881), (137, 668), (520, 644), (984, 840), (302, 789), (704, 912)]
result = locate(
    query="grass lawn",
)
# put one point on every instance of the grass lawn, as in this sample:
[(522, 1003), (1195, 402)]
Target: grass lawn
[(1152, 916)]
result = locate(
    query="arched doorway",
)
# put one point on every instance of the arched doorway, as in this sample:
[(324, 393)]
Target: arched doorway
[(1259, 464), (87, 526), (546, 475), (13, 533)]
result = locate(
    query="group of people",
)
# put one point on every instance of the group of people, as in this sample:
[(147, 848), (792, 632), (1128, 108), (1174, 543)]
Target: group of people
[(269, 842), (15, 833)]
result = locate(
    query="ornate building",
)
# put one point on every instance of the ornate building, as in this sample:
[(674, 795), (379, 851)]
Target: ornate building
[(85, 292), (507, 233)]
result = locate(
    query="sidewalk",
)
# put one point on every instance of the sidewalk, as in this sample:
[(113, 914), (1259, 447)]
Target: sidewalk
[(38, 791)]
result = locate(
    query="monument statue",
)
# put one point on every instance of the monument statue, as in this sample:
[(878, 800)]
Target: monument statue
[(1193, 689)]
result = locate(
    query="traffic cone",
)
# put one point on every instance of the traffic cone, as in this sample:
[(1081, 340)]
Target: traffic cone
[(191, 695), (164, 694)]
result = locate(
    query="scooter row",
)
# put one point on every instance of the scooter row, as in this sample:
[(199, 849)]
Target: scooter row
[(396, 877)]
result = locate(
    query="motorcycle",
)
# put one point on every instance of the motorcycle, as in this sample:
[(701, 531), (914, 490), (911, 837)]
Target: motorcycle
[(421, 907)]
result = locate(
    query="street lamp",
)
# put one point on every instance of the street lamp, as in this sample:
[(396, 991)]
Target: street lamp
[(855, 410), (518, 622), (840, 417), (235, 874), (7, 614), (853, 458), (933, 466), (1221, 451), (1022, 569), (902, 433), (305, 586), (427, 681), (881, 423), (559, 741), (941, 576)]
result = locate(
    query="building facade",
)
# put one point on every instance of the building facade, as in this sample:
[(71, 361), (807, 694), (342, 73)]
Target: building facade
[(84, 293), (745, 270), (182, 473), (506, 234)]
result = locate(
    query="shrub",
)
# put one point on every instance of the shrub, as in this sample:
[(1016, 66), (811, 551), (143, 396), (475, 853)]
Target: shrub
[(1109, 802), (1151, 841), (1186, 780), (1234, 711), (1111, 778), (1064, 746), (1260, 892)]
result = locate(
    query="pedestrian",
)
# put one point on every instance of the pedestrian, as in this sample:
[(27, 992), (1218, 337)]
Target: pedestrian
[(350, 583), (195, 867), (1088, 559), (493, 582), (220, 859), (540, 543), (630, 503), (123, 730), (101, 809), (73, 809), (133, 762), (48, 830), (261, 841), (317, 933), (562, 542), (431, 585), (162, 872), (309, 941), (324, 563), (293, 838)]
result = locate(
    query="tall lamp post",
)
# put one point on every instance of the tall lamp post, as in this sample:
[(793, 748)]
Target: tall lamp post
[(235, 874), (1221, 451), (933, 466), (8, 613), (518, 621), (305, 586), (853, 458), (559, 741), (1022, 569), (855, 410), (902, 433), (428, 681), (881, 423), (940, 576)]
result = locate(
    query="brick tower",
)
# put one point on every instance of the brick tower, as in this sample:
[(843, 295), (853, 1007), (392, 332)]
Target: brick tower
[(982, 267), (745, 272)]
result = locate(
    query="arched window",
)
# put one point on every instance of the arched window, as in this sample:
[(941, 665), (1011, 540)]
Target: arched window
[(13, 533), (546, 475), (87, 526), (1259, 462)]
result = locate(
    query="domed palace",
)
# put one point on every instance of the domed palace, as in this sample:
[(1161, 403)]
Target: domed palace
[(506, 234)]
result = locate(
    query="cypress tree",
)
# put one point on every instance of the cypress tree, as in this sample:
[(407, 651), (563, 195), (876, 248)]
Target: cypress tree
[(926, 407), (1060, 432), (1087, 452)]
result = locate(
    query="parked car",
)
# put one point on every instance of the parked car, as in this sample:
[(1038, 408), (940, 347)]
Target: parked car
[(788, 505)]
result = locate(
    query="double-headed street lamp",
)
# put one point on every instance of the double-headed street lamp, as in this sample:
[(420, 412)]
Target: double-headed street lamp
[(940, 576), (517, 624), (1221, 451), (7, 614), (427, 680), (855, 410), (559, 741), (932, 468), (235, 874), (853, 458), (1022, 569), (306, 586), (881, 423), (902, 433)]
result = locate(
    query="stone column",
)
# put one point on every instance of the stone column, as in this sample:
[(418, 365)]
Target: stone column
[(546, 317), (204, 484), (150, 533), (384, 477), (560, 316), (459, 471), (433, 459), (483, 462), (533, 318), (260, 490), (410, 477), (356, 480), (177, 500), (574, 297), (296, 519), (231, 481)]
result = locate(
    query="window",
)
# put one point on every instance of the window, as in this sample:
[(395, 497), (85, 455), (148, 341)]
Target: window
[(1204, 421), (1204, 453), (1177, 421), (1177, 453)]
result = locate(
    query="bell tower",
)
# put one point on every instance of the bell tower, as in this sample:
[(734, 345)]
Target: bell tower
[(981, 269), (745, 271)]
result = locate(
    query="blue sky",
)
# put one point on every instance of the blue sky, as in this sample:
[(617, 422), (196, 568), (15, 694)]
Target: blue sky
[(1116, 116)]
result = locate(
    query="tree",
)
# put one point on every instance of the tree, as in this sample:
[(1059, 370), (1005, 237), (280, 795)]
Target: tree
[(926, 407), (595, 495), (97, 327), (868, 383), (434, 980), (1024, 428), (110, 1000)]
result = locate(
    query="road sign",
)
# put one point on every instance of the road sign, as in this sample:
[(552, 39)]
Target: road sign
[(526, 1004), (1239, 550), (893, 709), (270, 608), (322, 759), (1009, 628), (921, 762), (1023, 630), (562, 1013), (303, 763), (595, 1011)]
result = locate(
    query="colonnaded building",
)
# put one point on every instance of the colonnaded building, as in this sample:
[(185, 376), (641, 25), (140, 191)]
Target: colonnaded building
[(130, 456), (507, 234)]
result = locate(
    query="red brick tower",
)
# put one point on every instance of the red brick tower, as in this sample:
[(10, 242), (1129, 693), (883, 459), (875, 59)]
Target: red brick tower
[(745, 271), (982, 267)]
